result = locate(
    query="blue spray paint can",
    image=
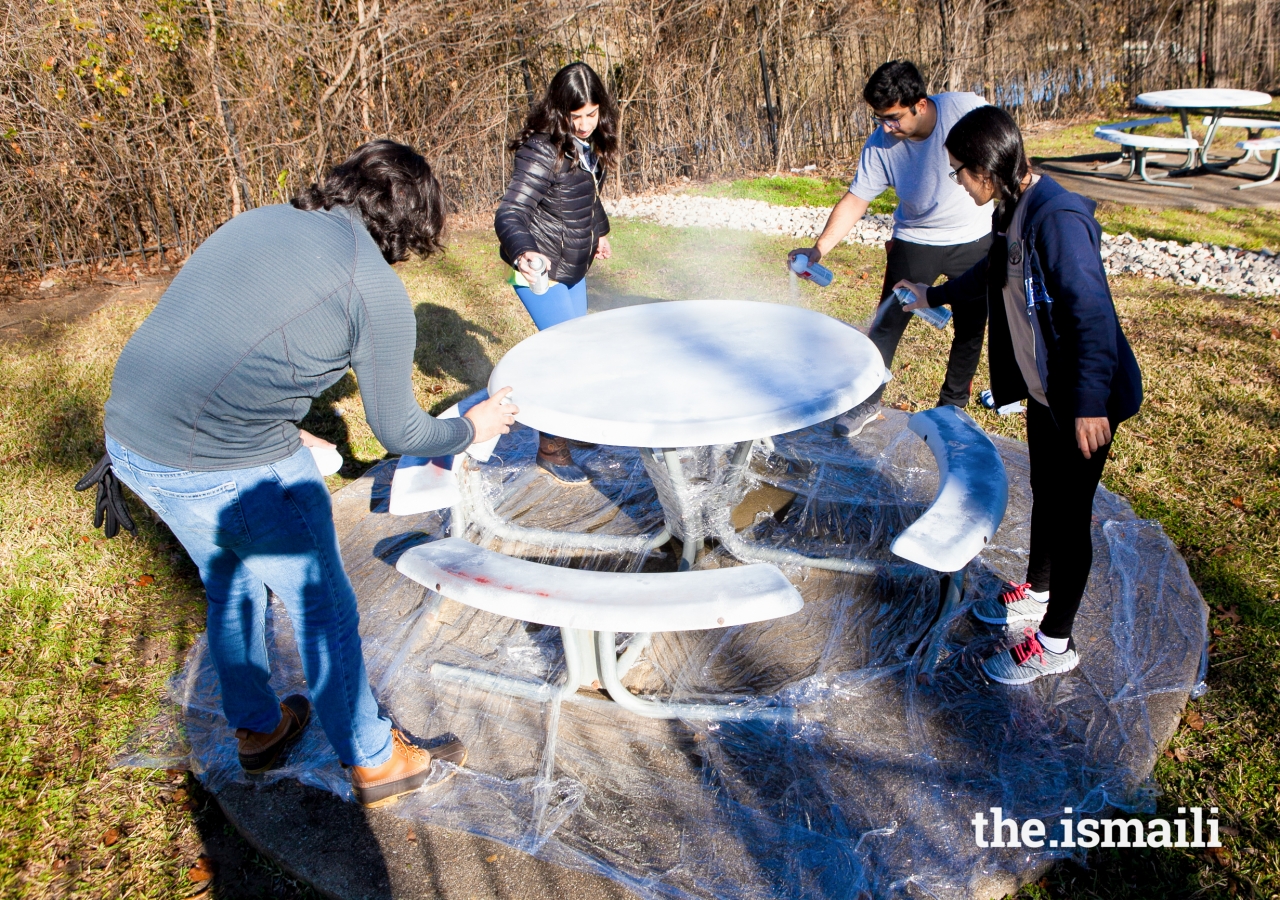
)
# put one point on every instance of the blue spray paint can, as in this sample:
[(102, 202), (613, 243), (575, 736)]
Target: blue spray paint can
[(818, 274), (937, 316)]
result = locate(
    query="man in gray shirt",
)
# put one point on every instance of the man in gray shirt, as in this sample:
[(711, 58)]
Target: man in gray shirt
[(937, 229), (268, 312)]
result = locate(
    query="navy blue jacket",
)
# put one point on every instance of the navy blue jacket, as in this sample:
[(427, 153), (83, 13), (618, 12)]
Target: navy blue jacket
[(1086, 365)]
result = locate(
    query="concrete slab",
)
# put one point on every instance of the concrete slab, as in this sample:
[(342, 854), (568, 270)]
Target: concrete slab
[(348, 853), (1209, 192)]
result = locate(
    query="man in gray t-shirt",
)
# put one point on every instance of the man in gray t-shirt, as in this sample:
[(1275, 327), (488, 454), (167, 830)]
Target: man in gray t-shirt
[(937, 229)]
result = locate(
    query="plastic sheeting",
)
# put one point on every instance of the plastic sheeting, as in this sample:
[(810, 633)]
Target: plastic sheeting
[(869, 793)]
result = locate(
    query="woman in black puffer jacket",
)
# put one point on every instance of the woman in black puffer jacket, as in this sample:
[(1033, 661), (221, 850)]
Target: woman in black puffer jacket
[(551, 218)]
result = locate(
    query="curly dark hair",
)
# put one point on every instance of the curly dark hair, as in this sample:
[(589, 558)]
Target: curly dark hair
[(398, 197), (573, 87)]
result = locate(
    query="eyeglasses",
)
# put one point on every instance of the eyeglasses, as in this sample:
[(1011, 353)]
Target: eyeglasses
[(955, 174), (893, 123)]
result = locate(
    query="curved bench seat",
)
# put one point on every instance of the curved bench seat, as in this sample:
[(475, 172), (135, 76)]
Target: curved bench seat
[(973, 491), (1253, 146), (1134, 148), (600, 601), (424, 484)]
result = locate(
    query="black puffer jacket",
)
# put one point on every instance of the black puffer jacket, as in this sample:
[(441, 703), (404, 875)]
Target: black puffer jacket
[(552, 206)]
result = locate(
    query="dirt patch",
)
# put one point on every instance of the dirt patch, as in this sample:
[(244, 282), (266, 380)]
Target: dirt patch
[(29, 314)]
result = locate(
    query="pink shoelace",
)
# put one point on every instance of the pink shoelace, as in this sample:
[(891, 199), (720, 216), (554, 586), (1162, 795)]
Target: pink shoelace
[(1015, 593), (1028, 648)]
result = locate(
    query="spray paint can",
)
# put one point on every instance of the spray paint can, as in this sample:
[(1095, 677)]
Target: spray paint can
[(818, 274), (539, 282), (938, 316)]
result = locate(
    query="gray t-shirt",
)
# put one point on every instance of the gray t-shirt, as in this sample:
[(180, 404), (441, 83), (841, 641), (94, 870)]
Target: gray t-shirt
[(1015, 304), (932, 209), (272, 309)]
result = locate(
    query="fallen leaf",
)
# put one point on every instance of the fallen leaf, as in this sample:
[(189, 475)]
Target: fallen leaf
[(904, 405), (205, 864), (1237, 501), (1194, 721), (1230, 831), (179, 795), (1181, 755), (1220, 855), (186, 807), (144, 580), (491, 859), (84, 538), (1232, 615), (1218, 632), (110, 836), (1275, 334), (411, 837), (198, 874)]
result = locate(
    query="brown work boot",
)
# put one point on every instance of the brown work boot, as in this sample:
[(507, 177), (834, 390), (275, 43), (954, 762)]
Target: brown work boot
[(405, 771), (259, 751), (554, 458)]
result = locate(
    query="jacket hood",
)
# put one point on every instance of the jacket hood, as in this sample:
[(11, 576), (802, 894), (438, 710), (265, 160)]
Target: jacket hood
[(1049, 196)]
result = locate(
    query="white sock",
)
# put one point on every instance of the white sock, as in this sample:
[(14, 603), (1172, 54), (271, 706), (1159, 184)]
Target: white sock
[(1053, 645), (1038, 596)]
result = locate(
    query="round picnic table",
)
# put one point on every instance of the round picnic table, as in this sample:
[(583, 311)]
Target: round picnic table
[(688, 373), (1216, 100), (691, 373)]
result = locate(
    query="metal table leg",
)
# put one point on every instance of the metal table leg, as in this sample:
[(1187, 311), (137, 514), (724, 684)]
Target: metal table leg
[(952, 594), (472, 507), (591, 661)]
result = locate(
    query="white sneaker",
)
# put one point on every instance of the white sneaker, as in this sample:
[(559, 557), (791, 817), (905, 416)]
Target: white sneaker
[(1014, 606), (850, 424), (1029, 660)]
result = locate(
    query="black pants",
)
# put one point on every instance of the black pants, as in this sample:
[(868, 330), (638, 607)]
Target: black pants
[(1062, 487), (923, 263)]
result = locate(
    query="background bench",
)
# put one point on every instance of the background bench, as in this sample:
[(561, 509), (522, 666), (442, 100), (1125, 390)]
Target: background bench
[(1135, 147)]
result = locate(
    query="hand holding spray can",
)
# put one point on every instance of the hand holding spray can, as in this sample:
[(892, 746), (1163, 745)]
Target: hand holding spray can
[(819, 275), (539, 282), (937, 316)]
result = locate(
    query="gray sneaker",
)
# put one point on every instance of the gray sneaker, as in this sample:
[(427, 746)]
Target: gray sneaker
[(850, 424), (1016, 605), (1025, 662)]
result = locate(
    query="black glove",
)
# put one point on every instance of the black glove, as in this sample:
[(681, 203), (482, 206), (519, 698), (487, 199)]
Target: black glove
[(110, 506)]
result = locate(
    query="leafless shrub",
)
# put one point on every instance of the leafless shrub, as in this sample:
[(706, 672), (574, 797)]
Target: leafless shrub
[(131, 126)]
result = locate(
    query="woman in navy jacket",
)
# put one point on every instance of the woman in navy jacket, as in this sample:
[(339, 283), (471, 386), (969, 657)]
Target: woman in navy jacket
[(1055, 342)]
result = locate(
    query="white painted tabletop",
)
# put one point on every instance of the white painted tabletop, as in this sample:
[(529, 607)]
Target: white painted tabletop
[(688, 373), (1206, 98)]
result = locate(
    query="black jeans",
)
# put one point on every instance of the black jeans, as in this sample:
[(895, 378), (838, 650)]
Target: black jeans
[(1062, 487), (923, 263)]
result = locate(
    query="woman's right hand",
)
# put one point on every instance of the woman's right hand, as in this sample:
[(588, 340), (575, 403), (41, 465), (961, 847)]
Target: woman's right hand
[(527, 270), (918, 290), (493, 417)]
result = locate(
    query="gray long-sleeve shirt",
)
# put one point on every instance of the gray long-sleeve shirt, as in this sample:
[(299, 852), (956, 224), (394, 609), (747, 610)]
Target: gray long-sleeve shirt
[(268, 312)]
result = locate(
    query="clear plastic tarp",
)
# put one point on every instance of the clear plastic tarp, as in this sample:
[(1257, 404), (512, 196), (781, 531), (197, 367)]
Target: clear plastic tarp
[(870, 792)]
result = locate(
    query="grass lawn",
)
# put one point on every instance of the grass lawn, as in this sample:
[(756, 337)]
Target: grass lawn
[(90, 629)]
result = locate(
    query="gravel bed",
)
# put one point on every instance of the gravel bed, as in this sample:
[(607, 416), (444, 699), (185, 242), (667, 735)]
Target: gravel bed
[(1227, 269)]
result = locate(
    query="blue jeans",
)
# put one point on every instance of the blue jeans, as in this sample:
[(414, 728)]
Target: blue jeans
[(259, 527), (559, 304)]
